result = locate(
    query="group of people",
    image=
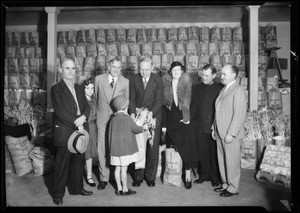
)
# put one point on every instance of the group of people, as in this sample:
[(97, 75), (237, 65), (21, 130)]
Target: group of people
[(204, 122)]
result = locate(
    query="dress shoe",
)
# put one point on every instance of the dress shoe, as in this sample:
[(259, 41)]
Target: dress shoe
[(198, 181), (102, 185), (118, 193), (226, 193), (219, 189), (137, 183), (91, 182), (151, 183), (129, 192), (58, 201), (83, 192), (215, 183), (188, 184)]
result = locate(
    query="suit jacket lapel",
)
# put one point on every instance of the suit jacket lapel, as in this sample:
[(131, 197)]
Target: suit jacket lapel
[(140, 86), (67, 91), (106, 87)]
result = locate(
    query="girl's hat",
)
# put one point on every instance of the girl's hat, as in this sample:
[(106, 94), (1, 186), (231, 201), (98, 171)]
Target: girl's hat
[(120, 102)]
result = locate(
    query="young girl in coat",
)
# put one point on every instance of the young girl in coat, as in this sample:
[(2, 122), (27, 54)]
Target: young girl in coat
[(92, 129), (123, 145)]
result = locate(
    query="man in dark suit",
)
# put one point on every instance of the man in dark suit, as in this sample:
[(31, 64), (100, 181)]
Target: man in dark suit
[(203, 100), (146, 90), (71, 111)]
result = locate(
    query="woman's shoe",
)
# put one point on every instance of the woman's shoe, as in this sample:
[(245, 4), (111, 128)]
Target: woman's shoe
[(118, 193), (129, 192), (188, 184), (91, 182)]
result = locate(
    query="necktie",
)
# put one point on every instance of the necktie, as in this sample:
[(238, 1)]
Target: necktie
[(112, 83), (145, 83)]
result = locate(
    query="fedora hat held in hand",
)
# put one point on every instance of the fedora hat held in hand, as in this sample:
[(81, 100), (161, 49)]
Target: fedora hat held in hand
[(78, 142)]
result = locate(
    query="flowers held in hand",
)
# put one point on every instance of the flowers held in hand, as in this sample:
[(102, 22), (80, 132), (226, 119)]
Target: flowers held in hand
[(144, 118)]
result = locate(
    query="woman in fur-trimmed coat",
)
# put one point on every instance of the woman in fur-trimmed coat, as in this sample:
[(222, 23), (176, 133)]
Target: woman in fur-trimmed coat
[(177, 98)]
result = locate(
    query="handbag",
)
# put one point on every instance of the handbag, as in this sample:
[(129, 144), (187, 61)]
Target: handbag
[(173, 167)]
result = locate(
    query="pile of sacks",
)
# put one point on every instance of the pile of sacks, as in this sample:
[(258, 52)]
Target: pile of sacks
[(25, 156)]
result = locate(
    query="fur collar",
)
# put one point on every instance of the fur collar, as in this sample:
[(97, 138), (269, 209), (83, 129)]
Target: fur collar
[(184, 91)]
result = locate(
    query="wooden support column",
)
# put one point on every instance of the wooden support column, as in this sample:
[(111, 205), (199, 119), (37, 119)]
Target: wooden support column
[(51, 50), (253, 71)]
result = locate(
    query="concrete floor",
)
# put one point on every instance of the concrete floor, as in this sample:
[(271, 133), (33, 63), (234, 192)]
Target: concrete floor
[(33, 191)]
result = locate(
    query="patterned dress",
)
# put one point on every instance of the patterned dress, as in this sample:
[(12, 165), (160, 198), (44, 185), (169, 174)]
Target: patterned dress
[(91, 150)]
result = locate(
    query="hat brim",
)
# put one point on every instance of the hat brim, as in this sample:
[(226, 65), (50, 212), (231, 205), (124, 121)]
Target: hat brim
[(71, 140)]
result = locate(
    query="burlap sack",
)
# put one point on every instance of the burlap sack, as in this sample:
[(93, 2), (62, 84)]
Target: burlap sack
[(39, 52), (90, 36), (274, 100), (71, 37), (34, 66), (42, 161), (29, 52), (25, 81), (162, 35), (226, 33), (173, 168), (169, 48), (100, 36), (203, 48), (124, 64), (172, 34), (10, 52), (180, 48), (61, 38), (228, 59), (192, 62), (240, 62), (15, 38), (215, 34), (121, 35), (135, 49), (61, 52), (193, 33), (238, 48), (156, 59), (225, 48), (158, 48), (151, 34), (183, 35), (214, 49), (216, 60), (89, 66), (191, 48), (204, 34), (133, 66), (262, 63), (13, 66), (123, 49), (180, 58), (101, 49), (272, 84), (131, 35), (23, 64), (15, 97), (70, 51), (147, 49), (141, 35), (271, 36), (237, 34), (112, 49), (166, 62), (8, 38), (19, 148), (34, 38), (14, 81), (24, 40), (262, 100), (100, 64), (248, 154), (80, 51), (110, 35), (91, 50), (20, 52), (81, 40), (203, 60)]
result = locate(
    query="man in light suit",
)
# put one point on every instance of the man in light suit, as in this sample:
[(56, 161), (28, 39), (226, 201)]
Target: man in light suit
[(107, 86), (228, 130), (71, 111), (146, 90)]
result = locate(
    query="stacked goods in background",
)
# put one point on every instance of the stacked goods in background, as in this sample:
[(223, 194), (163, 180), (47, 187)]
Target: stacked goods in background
[(276, 166), (194, 46)]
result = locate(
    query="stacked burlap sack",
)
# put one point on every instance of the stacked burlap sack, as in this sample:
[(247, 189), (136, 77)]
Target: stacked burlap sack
[(25, 156)]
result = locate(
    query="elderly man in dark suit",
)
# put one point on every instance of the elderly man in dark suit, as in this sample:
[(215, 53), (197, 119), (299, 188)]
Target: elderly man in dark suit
[(146, 90), (71, 111)]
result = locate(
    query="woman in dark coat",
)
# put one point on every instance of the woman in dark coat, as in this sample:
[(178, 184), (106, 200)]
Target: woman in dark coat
[(177, 98)]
